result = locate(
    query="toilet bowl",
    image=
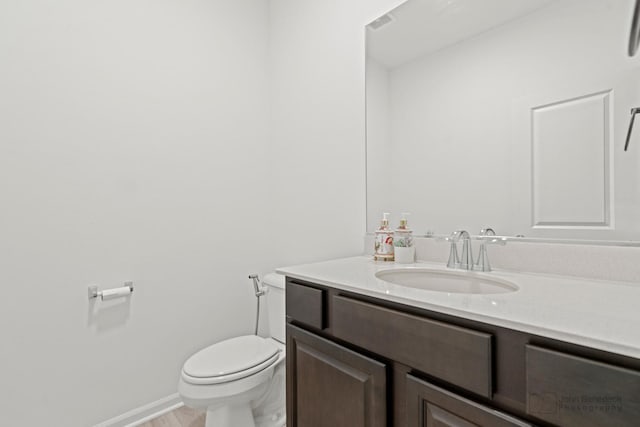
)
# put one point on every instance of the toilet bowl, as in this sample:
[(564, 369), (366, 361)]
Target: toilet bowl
[(241, 381)]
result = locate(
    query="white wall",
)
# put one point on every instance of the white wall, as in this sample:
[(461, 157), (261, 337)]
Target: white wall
[(317, 92), (132, 146), (135, 145)]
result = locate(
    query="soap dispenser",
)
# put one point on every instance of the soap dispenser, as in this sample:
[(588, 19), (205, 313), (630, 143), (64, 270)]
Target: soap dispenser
[(384, 240), (405, 252)]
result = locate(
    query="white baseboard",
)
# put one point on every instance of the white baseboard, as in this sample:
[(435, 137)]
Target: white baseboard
[(144, 413)]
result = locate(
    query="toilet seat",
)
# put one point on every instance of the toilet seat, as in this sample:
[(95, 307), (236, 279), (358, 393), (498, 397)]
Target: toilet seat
[(230, 360)]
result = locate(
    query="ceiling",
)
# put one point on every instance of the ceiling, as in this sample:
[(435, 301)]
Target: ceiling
[(420, 27)]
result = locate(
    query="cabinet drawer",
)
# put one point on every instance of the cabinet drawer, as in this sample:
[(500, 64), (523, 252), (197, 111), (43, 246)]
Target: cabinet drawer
[(460, 356), (432, 406), (305, 304), (573, 391)]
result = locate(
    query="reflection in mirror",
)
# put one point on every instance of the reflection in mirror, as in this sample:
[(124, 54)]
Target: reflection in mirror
[(504, 113)]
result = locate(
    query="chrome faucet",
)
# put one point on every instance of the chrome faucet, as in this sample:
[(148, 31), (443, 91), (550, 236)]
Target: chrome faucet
[(487, 237), (465, 261), (454, 260), (482, 263)]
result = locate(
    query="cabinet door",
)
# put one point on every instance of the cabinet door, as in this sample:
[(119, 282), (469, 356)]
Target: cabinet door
[(432, 406), (331, 386), (572, 391)]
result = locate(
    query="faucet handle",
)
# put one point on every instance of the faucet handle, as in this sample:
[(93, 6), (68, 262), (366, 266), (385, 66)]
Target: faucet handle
[(485, 239), (466, 258), (488, 231), (488, 236), (456, 235), (454, 260), (495, 241), (465, 261)]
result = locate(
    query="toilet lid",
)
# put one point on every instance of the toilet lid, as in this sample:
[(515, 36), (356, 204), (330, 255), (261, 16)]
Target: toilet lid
[(232, 356)]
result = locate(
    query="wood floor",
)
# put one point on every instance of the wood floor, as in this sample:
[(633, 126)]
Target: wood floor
[(181, 417)]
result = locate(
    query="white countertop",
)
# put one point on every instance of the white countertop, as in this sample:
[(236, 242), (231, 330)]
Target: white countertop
[(593, 313)]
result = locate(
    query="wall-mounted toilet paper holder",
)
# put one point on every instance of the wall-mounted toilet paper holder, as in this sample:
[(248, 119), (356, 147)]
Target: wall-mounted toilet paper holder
[(127, 289)]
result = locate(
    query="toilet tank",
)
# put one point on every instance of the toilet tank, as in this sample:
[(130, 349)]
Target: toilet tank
[(275, 305)]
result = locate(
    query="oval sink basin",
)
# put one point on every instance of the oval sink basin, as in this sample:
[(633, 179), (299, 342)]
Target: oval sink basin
[(458, 282)]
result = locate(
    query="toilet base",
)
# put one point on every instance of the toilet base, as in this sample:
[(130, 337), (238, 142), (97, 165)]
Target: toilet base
[(236, 416), (257, 400)]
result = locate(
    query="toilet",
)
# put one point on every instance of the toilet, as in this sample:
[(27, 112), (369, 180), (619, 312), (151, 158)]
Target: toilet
[(241, 381)]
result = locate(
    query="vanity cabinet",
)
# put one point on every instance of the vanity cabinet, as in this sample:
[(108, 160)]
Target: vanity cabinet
[(331, 386), (358, 361)]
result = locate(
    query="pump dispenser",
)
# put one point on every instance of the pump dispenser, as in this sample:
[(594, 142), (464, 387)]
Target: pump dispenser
[(384, 240), (405, 252)]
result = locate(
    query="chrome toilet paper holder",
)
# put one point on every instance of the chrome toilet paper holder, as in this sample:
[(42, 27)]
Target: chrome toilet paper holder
[(125, 290)]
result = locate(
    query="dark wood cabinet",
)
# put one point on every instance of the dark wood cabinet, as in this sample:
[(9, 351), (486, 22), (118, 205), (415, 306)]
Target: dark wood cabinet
[(331, 386), (306, 304), (566, 390), (432, 406), (354, 360), (412, 341)]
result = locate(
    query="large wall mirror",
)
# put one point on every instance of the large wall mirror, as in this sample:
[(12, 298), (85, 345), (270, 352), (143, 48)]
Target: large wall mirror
[(511, 114)]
